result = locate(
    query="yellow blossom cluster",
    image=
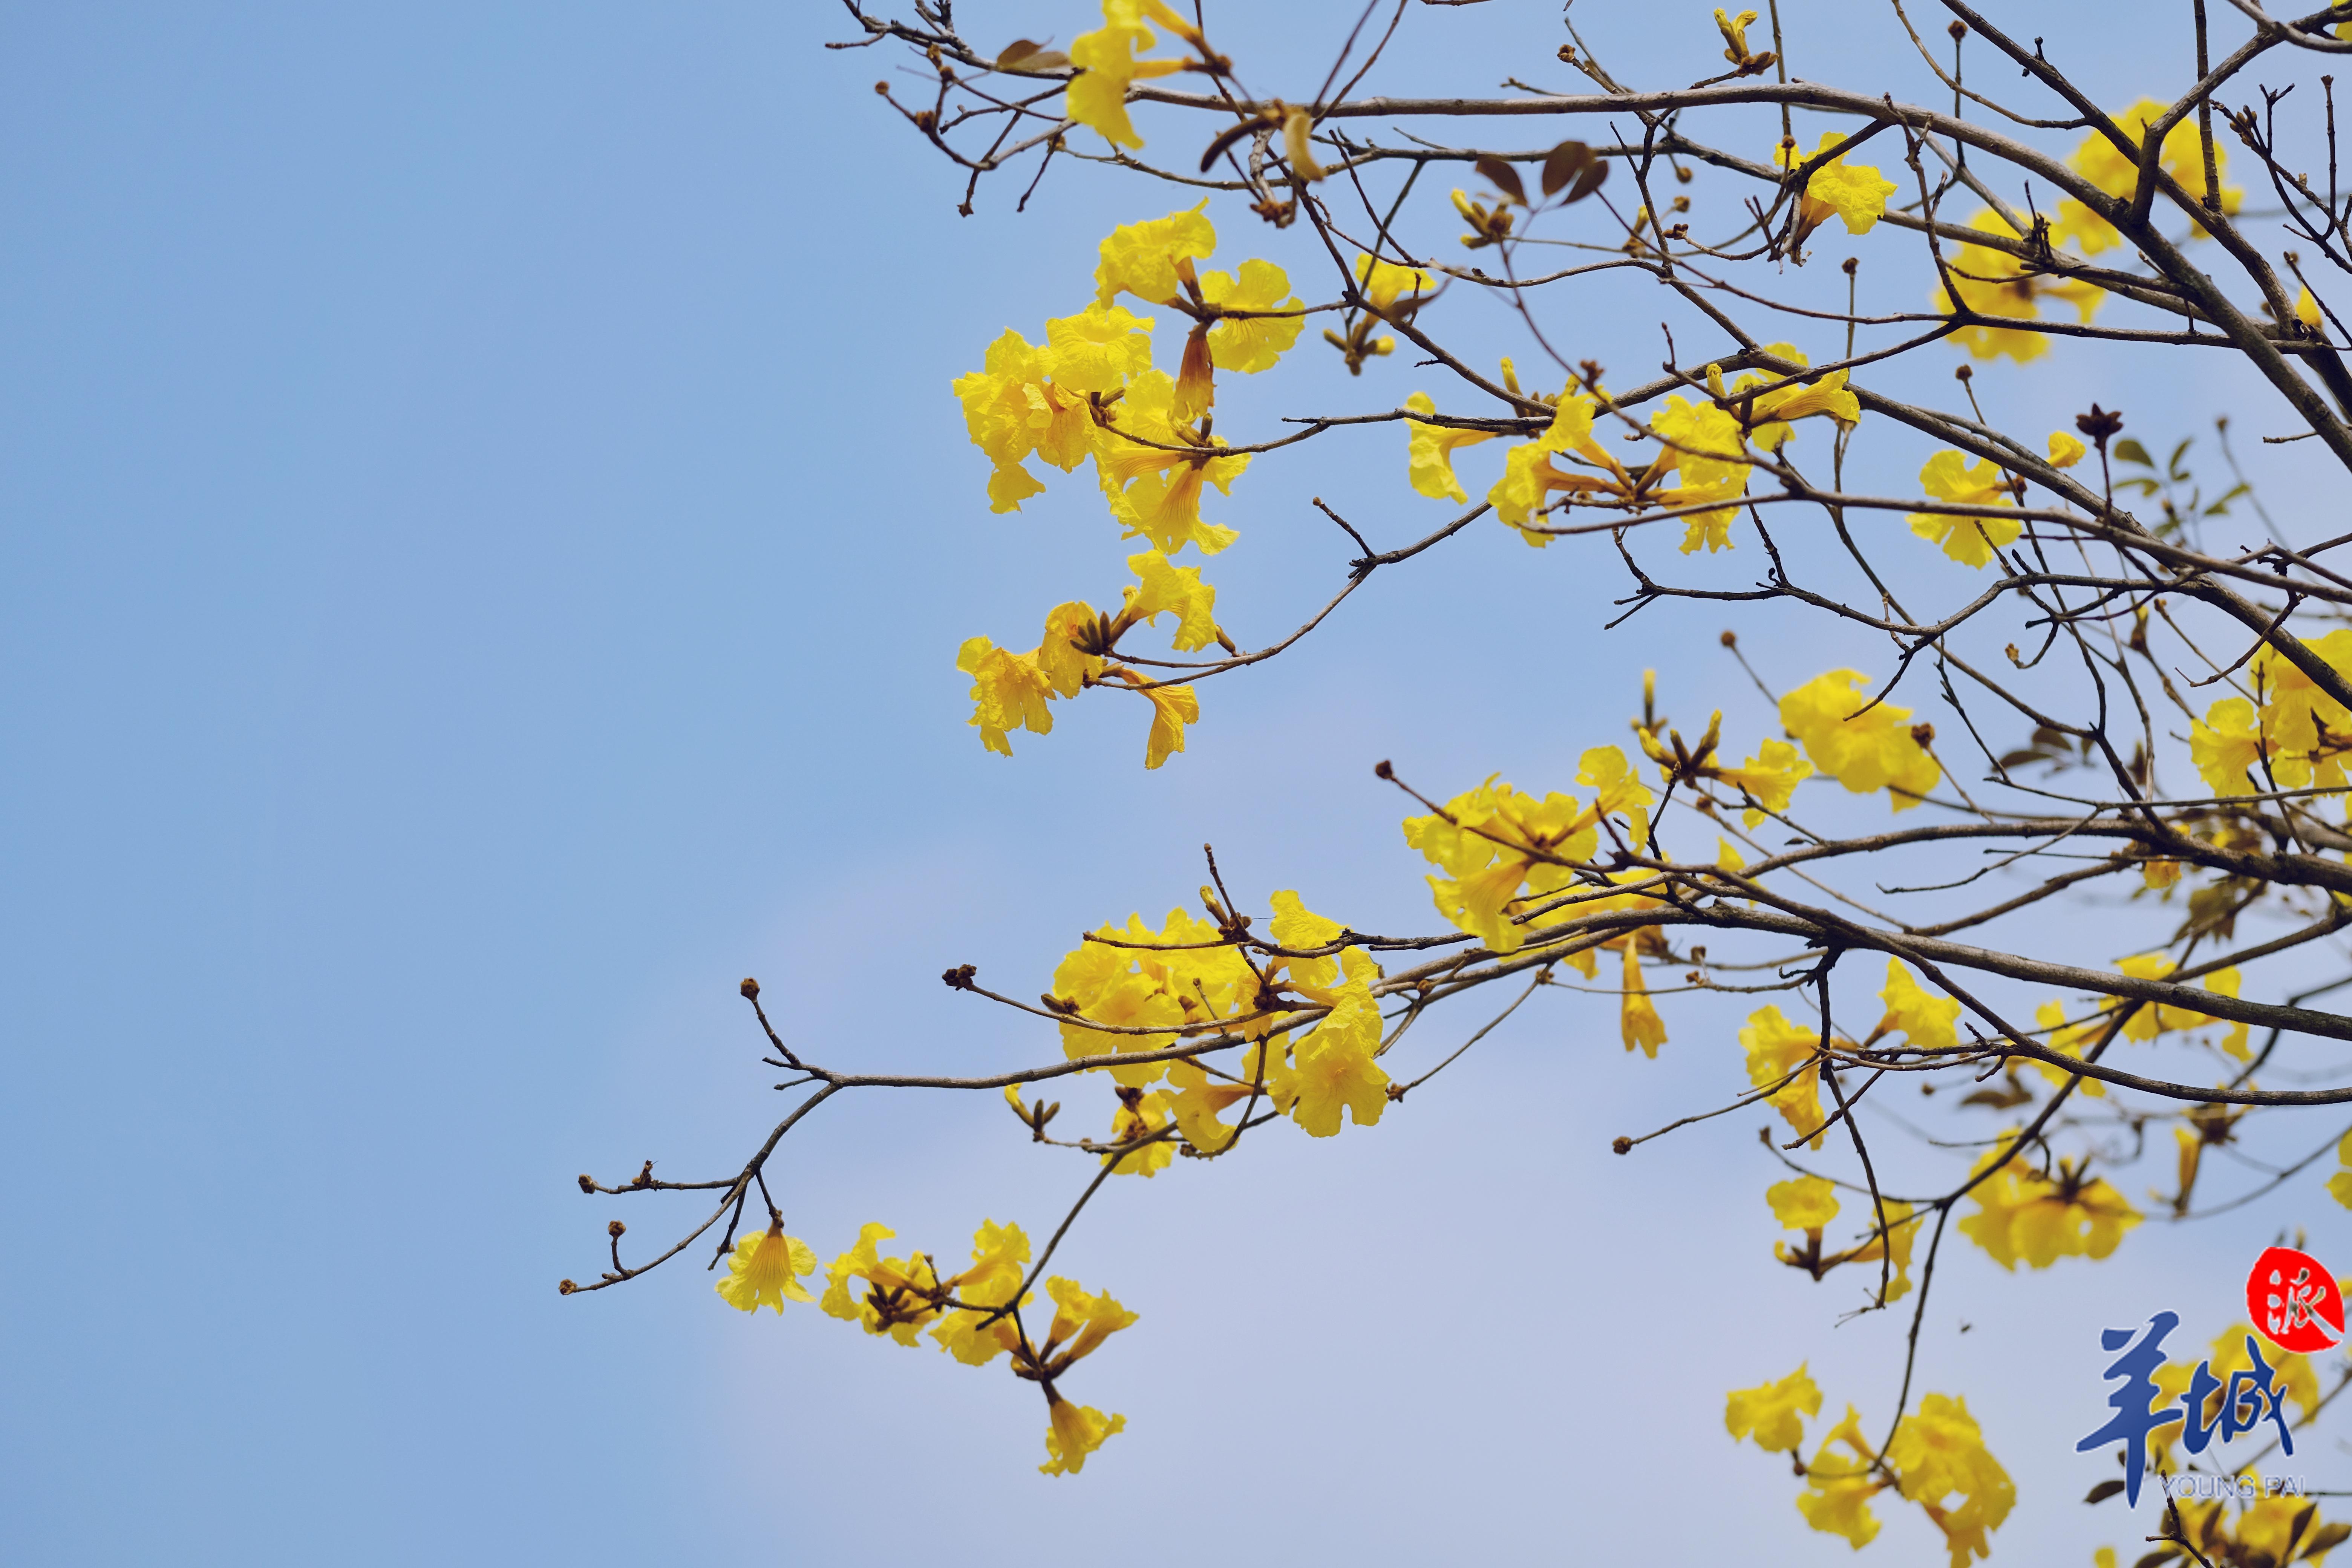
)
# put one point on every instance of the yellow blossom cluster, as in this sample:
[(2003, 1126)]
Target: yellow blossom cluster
[(1992, 282), (1091, 391), (2024, 1215), (971, 1314), (2295, 736), (2116, 174), (1937, 1458), (1863, 746), (1132, 990)]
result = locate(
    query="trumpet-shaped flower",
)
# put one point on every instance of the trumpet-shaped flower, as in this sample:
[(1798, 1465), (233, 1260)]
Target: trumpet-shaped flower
[(765, 1269), (2105, 165), (1140, 1115), (1529, 477), (1173, 708), (1769, 778), (1252, 343), (1839, 1487), (1430, 456), (2023, 1216), (900, 1295), (1940, 1454), (1075, 1433), (1082, 1321), (999, 1253), (1780, 1054), (1971, 541), (1993, 283), (1773, 1413), (1335, 1068), (1382, 283), (1107, 62), (1923, 1019), (1012, 406), (1008, 693), (1296, 926), (1503, 849), (2225, 746), (1137, 978), (1865, 750), (1163, 589), (1803, 1202), (1153, 260), (1637, 1017), (1155, 467), (1201, 1100), (1854, 192)]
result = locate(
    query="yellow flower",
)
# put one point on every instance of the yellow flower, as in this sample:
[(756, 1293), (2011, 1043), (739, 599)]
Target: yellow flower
[(2101, 162), (1164, 589), (901, 1294), (1334, 1067), (1900, 1234), (1383, 283), (999, 1253), (1503, 849), (2339, 1185), (1771, 778), (1923, 1018), (1431, 453), (1151, 980), (1173, 708), (1081, 1322), (1770, 415), (1100, 348), (1995, 283), (1838, 1487), (766, 1269), (1528, 477), (1017, 404), (1803, 1203), (1066, 666), (1940, 1453), (1864, 752), (1107, 63), (1153, 260), (1735, 34), (1140, 1115), (2306, 308), (1773, 1413), (1855, 193), (1706, 446), (1252, 343), (2023, 1214), (1200, 1098), (1008, 693), (1154, 469), (2225, 746), (1638, 1019), (1776, 1048), (2308, 730), (1296, 926), (2064, 450), (1967, 540), (1075, 1433), (2070, 1038)]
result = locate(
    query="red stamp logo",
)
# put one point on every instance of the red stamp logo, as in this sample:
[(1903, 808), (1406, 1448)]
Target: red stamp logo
[(2294, 1301)]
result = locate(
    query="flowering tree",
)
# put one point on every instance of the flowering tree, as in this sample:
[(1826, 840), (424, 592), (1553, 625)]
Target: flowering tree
[(2119, 704)]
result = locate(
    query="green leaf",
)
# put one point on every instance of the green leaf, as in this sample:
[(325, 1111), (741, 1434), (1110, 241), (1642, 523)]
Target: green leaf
[(2131, 451), (2173, 462)]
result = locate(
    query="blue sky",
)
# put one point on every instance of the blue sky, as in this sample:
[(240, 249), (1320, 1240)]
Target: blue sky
[(483, 541)]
